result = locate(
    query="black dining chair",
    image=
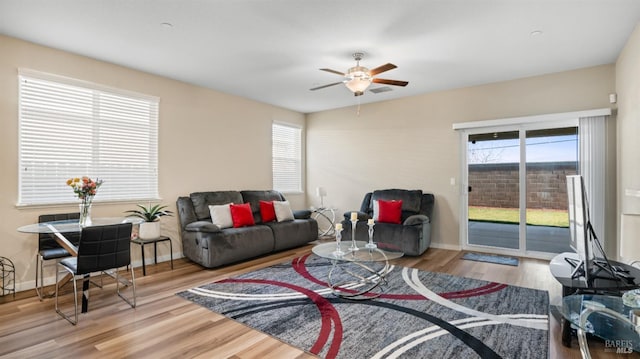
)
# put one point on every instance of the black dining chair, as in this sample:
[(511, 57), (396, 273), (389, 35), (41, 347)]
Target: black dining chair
[(101, 249), (49, 249)]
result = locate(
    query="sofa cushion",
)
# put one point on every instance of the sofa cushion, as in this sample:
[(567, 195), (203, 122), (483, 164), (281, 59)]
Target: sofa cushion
[(221, 215), (241, 215), (254, 198), (283, 211), (202, 200), (267, 212), (238, 244), (202, 226), (411, 199), (294, 233), (387, 211)]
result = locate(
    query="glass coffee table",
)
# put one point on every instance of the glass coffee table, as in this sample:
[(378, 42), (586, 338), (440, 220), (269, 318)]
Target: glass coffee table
[(606, 317), (355, 274)]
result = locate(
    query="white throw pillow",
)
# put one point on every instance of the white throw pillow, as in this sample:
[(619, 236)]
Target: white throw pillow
[(221, 215), (283, 211), (376, 210)]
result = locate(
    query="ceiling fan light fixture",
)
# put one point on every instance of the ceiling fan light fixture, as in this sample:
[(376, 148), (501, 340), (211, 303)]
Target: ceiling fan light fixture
[(358, 80), (358, 85)]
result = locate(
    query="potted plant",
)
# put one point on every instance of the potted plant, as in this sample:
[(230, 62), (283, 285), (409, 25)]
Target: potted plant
[(150, 228)]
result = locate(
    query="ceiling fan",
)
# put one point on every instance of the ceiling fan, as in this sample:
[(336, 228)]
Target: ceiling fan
[(358, 78)]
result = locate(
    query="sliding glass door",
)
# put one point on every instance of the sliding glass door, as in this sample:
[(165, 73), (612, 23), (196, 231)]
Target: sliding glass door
[(494, 189), (516, 196), (552, 154)]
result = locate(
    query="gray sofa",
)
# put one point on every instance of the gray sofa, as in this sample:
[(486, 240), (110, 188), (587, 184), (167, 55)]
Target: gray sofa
[(413, 235), (206, 244)]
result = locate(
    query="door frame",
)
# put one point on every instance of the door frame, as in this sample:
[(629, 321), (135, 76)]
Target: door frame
[(521, 124)]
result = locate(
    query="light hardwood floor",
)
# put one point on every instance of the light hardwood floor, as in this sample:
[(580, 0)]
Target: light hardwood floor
[(164, 325)]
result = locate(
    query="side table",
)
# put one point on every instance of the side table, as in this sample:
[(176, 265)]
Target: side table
[(155, 241), (326, 218)]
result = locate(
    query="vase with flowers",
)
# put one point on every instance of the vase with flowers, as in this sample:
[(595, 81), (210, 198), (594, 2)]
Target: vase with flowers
[(85, 188)]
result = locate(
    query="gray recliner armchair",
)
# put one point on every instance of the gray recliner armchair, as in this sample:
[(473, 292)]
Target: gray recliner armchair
[(412, 236)]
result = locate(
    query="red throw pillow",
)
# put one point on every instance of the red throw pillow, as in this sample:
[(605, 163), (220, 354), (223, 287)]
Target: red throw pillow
[(267, 212), (390, 211), (241, 215)]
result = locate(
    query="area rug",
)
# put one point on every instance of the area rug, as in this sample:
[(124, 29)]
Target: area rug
[(491, 258), (418, 315)]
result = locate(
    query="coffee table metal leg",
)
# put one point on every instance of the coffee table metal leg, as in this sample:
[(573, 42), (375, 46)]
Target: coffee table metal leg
[(359, 287)]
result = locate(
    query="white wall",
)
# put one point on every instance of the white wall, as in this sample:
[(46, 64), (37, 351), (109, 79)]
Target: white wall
[(628, 90), (207, 141), (409, 143)]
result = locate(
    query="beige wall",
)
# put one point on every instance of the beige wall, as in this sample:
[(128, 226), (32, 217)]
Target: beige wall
[(628, 90), (409, 143), (207, 141)]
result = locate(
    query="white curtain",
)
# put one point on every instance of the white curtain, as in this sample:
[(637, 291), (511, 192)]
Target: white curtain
[(592, 135)]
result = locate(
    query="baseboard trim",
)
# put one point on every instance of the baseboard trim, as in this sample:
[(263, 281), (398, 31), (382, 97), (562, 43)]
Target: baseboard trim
[(451, 247)]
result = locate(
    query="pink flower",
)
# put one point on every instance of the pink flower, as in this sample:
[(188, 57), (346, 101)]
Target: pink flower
[(84, 188)]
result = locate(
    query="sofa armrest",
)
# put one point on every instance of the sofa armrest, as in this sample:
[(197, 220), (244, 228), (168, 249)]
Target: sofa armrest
[(202, 226), (186, 212), (361, 216), (416, 219), (302, 214)]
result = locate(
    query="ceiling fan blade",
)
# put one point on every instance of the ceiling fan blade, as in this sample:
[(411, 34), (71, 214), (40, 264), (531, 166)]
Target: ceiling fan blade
[(381, 69), (323, 86), (390, 82), (334, 72)]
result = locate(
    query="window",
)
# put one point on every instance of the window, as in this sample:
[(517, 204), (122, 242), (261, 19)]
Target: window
[(287, 158), (71, 128)]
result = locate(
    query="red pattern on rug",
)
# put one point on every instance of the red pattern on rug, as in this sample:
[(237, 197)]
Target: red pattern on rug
[(328, 313)]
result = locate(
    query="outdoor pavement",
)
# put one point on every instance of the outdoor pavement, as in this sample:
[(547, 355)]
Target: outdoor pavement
[(539, 238)]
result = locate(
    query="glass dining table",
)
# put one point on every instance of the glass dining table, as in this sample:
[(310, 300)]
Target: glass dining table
[(58, 230)]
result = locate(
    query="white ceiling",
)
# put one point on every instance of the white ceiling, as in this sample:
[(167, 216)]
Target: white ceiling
[(271, 50)]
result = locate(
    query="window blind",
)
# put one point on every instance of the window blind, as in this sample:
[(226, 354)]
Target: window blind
[(71, 128), (287, 158)]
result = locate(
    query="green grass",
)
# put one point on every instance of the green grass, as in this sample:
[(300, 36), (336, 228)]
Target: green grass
[(536, 217)]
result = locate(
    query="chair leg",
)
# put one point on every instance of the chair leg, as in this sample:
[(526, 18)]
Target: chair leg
[(39, 268), (133, 284), (56, 293), (75, 300), (96, 283), (40, 278), (132, 303)]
